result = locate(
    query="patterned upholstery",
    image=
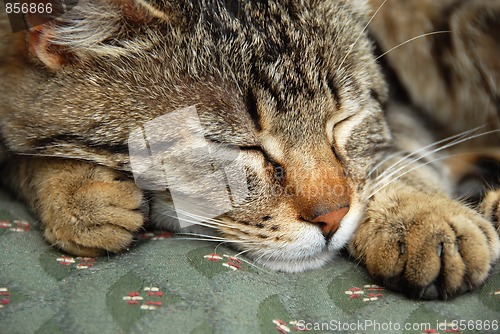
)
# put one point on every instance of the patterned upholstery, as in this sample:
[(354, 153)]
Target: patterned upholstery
[(164, 285)]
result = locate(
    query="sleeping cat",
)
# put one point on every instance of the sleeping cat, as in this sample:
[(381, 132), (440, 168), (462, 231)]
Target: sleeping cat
[(291, 89)]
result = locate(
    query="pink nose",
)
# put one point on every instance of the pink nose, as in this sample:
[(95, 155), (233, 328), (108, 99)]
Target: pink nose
[(330, 221)]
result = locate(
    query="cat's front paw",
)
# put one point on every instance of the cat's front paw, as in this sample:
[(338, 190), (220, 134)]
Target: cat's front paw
[(89, 210), (424, 245)]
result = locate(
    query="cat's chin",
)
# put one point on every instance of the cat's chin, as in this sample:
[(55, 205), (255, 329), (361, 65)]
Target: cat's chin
[(310, 250), (307, 249)]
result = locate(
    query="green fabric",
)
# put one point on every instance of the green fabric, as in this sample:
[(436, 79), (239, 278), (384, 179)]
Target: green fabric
[(163, 285)]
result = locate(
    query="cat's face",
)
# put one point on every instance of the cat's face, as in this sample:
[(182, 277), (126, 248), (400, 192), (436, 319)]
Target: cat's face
[(291, 91), (305, 127)]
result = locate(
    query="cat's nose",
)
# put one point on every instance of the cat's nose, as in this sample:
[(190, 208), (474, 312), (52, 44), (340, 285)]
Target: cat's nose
[(330, 222)]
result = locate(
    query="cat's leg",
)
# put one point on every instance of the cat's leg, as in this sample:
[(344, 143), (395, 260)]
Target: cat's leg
[(417, 239), (85, 209), (424, 244)]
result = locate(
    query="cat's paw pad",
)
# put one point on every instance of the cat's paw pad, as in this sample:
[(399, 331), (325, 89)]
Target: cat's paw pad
[(99, 215), (427, 246), (490, 208)]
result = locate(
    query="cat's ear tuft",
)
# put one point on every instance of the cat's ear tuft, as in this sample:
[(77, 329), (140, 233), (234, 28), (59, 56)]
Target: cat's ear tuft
[(41, 47), (96, 28)]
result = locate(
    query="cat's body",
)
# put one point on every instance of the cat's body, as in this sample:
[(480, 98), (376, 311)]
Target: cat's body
[(452, 74), (291, 90)]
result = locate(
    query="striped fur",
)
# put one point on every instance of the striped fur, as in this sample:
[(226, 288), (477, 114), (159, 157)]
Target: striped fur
[(292, 86)]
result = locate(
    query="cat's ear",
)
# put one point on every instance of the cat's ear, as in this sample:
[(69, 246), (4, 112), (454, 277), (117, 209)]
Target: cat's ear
[(94, 28), (478, 37)]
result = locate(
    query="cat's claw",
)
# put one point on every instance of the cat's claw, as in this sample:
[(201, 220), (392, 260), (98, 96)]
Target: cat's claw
[(402, 248), (440, 249), (423, 250)]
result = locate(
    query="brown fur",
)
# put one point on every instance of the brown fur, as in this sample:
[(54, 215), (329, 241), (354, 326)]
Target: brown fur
[(293, 85), (459, 87), (86, 208)]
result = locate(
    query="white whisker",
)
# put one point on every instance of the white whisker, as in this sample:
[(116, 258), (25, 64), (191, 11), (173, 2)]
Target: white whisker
[(208, 239), (409, 171), (253, 265), (412, 39), (386, 176), (242, 252), (194, 222), (259, 258), (361, 34), (199, 220), (201, 235), (459, 136), (221, 241), (387, 158), (216, 247), (412, 169), (199, 216)]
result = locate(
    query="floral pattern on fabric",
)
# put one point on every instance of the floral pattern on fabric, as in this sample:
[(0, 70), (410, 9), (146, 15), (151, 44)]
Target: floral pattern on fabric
[(168, 285)]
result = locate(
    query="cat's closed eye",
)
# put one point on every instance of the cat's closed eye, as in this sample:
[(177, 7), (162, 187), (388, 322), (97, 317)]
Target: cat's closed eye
[(260, 124)]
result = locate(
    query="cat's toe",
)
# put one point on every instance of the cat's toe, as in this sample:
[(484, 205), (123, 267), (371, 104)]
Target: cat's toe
[(461, 253), (490, 207), (101, 216), (426, 252)]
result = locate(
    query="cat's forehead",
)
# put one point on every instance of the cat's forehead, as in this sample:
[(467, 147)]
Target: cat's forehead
[(293, 62), (291, 43), (291, 52)]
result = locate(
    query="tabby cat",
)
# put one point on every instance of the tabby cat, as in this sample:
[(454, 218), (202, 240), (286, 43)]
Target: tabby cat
[(294, 91)]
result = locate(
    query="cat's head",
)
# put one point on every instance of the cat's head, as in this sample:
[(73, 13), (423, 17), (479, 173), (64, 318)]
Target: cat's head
[(289, 91)]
